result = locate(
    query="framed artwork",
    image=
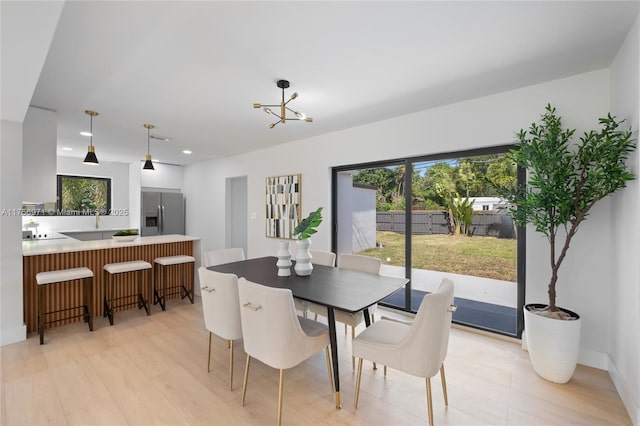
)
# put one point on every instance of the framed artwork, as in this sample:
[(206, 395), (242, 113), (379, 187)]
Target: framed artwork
[(283, 205)]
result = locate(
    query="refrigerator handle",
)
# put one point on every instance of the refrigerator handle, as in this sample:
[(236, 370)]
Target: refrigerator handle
[(162, 220), (159, 219)]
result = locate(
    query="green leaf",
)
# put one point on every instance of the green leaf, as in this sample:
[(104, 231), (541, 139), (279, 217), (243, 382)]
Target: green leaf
[(306, 227)]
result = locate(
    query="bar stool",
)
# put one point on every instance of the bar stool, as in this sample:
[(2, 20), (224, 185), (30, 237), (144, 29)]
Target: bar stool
[(161, 270), (110, 272), (63, 275)]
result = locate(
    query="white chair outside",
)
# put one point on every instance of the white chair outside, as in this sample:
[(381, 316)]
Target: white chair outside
[(221, 309), (274, 334), (219, 257), (318, 257), (360, 263), (419, 348)]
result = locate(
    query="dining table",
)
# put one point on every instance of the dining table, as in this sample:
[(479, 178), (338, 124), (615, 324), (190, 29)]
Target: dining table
[(335, 288)]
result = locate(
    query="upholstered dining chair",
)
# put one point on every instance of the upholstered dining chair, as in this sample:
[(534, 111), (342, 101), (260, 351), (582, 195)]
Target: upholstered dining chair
[(274, 334), (418, 348), (318, 257), (354, 262), (221, 256), (221, 309)]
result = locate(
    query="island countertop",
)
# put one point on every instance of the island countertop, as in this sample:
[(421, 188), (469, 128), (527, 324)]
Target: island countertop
[(66, 245)]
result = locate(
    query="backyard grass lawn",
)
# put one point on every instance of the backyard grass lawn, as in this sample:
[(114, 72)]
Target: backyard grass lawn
[(487, 257)]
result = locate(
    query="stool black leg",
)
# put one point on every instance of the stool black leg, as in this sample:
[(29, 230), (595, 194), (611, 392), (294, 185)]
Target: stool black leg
[(89, 283), (41, 313), (142, 303), (105, 294), (111, 296)]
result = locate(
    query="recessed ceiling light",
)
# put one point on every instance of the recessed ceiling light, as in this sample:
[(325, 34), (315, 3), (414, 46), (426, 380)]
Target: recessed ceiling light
[(186, 151), (66, 148), (86, 133)]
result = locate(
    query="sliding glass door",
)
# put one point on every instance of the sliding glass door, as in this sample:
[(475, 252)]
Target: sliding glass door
[(432, 217)]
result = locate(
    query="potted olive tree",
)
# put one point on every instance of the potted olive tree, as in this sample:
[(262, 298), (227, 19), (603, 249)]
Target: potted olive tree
[(565, 180), (305, 229)]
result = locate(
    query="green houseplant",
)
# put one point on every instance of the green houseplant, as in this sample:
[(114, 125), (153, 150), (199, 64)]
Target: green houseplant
[(305, 229), (565, 181)]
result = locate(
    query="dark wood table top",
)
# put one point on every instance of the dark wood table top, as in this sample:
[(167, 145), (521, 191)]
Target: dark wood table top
[(342, 289)]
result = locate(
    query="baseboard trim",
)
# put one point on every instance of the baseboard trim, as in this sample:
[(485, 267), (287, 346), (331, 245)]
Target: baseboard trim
[(13, 335), (627, 397)]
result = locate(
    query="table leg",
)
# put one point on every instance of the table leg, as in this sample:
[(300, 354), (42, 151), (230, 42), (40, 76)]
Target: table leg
[(367, 317), (331, 320)]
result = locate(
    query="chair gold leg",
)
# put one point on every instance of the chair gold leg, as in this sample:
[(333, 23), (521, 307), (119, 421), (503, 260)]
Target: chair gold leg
[(209, 357), (444, 385), (230, 343), (429, 402), (329, 369), (353, 336), (246, 376), (355, 401), (280, 397), (345, 329)]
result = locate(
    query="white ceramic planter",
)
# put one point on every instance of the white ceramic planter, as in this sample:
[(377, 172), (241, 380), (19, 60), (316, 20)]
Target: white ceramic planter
[(284, 259), (553, 345), (303, 266)]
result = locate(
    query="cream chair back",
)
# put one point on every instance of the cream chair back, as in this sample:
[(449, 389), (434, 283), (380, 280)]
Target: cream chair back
[(356, 262), (423, 350), (219, 257), (271, 329), (220, 303), (326, 258)]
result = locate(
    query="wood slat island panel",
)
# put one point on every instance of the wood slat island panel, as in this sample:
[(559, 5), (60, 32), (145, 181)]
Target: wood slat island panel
[(94, 255)]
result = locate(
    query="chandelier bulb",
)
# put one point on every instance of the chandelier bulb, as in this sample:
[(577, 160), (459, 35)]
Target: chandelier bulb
[(294, 95)]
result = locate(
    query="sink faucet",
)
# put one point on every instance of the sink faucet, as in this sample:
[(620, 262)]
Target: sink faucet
[(97, 219)]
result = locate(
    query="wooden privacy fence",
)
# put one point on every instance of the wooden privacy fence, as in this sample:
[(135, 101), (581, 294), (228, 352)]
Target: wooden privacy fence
[(424, 222)]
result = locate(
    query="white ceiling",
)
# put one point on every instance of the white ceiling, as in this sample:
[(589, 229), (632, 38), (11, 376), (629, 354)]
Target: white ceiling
[(194, 69)]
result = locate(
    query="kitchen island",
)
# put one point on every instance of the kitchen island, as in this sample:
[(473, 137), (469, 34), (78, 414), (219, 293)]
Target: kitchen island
[(64, 253)]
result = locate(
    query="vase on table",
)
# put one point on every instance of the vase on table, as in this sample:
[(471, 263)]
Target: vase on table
[(284, 259), (303, 266)]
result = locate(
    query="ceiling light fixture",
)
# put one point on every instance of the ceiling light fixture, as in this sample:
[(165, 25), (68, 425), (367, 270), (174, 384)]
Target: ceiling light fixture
[(91, 158), (148, 165), (282, 118)]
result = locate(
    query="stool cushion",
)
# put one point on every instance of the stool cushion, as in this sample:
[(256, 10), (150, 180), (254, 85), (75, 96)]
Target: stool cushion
[(174, 260), (63, 275), (134, 265)]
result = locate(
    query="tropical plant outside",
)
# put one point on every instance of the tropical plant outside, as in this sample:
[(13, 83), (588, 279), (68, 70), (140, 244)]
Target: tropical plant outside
[(84, 195)]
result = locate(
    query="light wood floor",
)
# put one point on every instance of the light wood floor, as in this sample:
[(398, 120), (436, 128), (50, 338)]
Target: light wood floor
[(152, 370)]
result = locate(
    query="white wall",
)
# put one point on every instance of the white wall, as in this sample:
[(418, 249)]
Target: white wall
[(481, 122), (624, 285), (12, 328)]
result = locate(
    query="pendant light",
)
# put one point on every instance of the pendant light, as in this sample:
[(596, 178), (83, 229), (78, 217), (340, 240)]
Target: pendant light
[(91, 158), (148, 165)]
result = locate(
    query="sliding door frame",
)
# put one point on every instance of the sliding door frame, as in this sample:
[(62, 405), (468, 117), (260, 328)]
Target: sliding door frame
[(408, 163)]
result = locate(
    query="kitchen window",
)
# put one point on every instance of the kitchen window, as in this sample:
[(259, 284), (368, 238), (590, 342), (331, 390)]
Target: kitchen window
[(83, 195)]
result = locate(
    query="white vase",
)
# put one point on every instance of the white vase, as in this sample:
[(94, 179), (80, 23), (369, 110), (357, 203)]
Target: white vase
[(553, 345), (284, 259), (303, 266)]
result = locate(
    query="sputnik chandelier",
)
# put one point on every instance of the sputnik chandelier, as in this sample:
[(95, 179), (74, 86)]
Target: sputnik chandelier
[(282, 117)]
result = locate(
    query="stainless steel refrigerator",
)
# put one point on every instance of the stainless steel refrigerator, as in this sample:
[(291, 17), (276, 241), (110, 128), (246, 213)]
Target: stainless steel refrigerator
[(162, 213)]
